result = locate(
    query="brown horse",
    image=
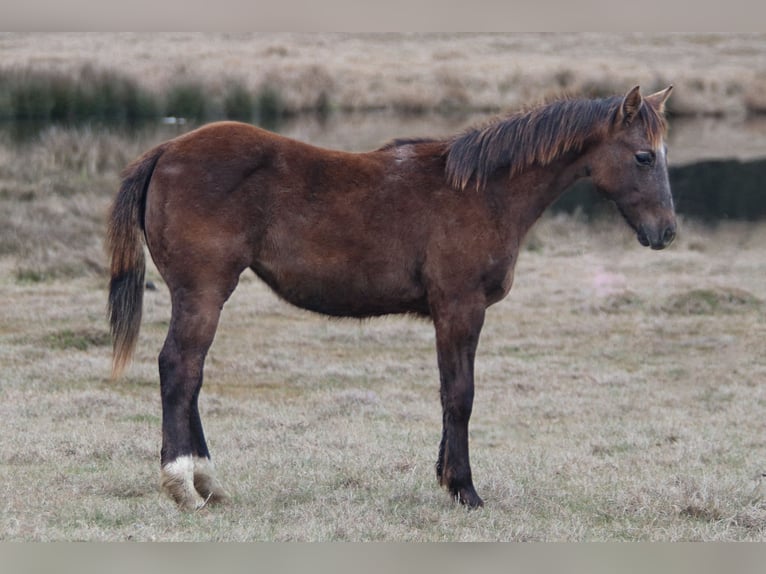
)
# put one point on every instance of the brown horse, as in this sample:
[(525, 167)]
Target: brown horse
[(427, 227)]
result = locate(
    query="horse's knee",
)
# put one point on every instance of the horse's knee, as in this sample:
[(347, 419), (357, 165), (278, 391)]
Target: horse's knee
[(458, 405)]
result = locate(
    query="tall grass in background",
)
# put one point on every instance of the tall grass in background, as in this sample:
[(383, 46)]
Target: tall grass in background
[(193, 99), (187, 99), (102, 95), (58, 97), (91, 93), (265, 107)]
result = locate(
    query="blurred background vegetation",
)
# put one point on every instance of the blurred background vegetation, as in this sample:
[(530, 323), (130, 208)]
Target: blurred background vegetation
[(76, 108)]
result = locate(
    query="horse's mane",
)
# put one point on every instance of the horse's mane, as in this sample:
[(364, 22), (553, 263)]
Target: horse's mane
[(537, 136)]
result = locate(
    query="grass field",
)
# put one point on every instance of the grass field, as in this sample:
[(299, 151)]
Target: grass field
[(619, 391), (619, 397)]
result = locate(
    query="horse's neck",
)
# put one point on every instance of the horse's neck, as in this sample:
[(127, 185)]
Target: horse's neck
[(526, 196)]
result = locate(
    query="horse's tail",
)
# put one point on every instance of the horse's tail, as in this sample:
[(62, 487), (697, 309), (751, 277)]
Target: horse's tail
[(125, 247)]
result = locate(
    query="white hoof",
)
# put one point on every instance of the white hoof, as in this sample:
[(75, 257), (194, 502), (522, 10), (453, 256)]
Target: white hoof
[(177, 480)]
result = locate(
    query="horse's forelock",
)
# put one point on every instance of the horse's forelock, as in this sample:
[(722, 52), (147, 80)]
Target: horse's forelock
[(655, 123)]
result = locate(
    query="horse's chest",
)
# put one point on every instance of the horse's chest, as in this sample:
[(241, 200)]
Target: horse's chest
[(498, 278)]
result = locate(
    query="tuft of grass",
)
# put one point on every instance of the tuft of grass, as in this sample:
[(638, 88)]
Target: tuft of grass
[(187, 99), (31, 275), (709, 301), (238, 103), (34, 98), (54, 193), (270, 107), (622, 301), (81, 339), (323, 105)]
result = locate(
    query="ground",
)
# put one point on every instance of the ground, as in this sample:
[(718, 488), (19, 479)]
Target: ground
[(618, 397)]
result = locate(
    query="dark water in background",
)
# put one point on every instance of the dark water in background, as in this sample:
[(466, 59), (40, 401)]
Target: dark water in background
[(730, 189), (717, 166), (709, 191)]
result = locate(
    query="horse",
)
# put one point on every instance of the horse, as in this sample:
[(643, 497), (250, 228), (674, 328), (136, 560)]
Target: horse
[(426, 227)]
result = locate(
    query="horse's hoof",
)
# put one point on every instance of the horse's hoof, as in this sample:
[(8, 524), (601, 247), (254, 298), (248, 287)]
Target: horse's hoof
[(177, 481), (467, 497), (462, 493), (206, 483)]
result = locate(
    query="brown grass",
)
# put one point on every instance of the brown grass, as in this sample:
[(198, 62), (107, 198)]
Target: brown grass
[(54, 192)]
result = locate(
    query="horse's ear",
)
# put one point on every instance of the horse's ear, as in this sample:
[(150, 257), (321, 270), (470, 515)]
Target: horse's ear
[(631, 103), (657, 100)]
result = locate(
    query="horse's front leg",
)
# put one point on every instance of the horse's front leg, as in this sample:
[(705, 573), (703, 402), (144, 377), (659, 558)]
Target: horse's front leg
[(458, 325)]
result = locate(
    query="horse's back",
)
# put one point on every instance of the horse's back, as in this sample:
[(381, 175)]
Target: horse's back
[(224, 157), (219, 156)]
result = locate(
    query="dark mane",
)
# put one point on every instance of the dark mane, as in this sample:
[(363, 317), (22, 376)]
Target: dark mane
[(536, 137)]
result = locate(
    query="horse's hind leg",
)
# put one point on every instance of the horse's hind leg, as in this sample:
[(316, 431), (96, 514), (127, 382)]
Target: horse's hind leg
[(187, 472)]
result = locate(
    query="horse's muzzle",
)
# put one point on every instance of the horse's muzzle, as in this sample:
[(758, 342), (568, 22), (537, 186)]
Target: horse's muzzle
[(656, 238)]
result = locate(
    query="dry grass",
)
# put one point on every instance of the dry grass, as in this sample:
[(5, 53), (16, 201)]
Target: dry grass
[(713, 73), (608, 407), (54, 193)]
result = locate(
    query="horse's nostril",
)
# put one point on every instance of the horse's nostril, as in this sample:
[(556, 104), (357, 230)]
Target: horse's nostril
[(669, 235), (643, 237)]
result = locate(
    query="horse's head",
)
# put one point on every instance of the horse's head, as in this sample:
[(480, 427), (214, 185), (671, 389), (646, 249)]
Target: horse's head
[(629, 166)]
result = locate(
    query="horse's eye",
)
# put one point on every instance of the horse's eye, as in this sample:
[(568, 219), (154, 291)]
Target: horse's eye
[(645, 158)]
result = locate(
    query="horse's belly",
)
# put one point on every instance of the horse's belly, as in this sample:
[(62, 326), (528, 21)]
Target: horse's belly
[(344, 289)]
